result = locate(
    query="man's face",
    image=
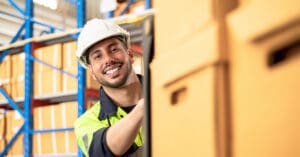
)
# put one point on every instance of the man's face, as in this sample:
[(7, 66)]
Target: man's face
[(110, 62)]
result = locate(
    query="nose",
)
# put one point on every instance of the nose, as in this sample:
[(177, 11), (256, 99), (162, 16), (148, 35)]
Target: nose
[(107, 58)]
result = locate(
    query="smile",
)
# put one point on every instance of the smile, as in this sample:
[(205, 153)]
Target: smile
[(112, 70)]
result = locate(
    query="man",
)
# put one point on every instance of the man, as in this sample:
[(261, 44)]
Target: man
[(112, 127)]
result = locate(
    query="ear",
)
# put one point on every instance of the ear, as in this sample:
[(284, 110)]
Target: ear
[(91, 72), (130, 54)]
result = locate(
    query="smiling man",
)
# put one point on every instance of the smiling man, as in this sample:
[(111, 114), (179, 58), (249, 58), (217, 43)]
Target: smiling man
[(112, 127)]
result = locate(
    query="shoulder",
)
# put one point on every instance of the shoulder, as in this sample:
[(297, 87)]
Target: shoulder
[(88, 120)]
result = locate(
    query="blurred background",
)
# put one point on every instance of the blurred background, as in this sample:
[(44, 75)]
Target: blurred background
[(221, 77)]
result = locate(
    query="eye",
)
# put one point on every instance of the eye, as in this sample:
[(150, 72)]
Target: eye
[(114, 49), (96, 56)]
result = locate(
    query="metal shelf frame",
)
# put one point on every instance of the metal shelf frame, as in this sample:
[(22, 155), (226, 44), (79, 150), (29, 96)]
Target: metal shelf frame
[(29, 99)]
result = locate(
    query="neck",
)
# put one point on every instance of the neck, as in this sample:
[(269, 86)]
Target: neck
[(127, 95)]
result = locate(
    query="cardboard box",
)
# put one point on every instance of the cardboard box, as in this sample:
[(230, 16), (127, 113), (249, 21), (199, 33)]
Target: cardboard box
[(2, 143), (2, 122), (14, 121), (7, 86), (51, 54), (187, 85), (18, 64), (5, 75), (43, 118), (72, 142), (67, 114), (9, 121), (17, 147), (55, 116), (36, 144), (69, 57), (265, 79), (190, 17), (47, 82), (70, 66), (17, 84), (5, 67), (68, 83), (48, 143)]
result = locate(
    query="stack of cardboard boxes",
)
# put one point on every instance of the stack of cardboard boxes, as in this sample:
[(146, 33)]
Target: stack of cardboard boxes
[(228, 84), (51, 116), (47, 81), (56, 116)]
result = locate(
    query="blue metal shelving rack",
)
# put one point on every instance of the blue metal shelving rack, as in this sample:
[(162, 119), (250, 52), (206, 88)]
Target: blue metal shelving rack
[(27, 127), (27, 16)]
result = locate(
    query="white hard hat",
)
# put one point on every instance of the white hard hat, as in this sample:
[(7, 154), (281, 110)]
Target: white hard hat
[(94, 31)]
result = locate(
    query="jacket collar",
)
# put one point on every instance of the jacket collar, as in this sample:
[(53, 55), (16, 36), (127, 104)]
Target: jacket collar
[(108, 108)]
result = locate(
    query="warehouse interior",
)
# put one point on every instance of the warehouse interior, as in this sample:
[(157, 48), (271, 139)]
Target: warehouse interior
[(221, 77)]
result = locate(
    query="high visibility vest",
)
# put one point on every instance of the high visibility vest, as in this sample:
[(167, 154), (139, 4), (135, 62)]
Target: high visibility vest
[(87, 124)]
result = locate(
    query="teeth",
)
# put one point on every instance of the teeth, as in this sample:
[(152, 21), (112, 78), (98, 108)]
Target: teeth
[(112, 71)]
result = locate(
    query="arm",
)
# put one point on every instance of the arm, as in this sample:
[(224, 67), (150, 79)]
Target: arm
[(121, 136)]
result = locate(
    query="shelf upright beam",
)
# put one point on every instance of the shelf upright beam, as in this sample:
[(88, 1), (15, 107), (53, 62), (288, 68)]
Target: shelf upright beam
[(81, 71), (28, 81)]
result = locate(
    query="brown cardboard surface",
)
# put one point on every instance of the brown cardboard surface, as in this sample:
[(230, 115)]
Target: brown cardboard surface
[(5, 67), (47, 82), (190, 97), (55, 116), (51, 54), (71, 113), (18, 64), (69, 65), (69, 57), (17, 147), (36, 144), (9, 122), (72, 142), (17, 121), (61, 142), (68, 83), (191, 16), (2, 143), (265, 99), (2, 123), (7, 86), (48, 144), (17, 90)]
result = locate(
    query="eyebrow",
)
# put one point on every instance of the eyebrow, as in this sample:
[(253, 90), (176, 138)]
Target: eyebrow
[(112, 44), (109, 46)]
